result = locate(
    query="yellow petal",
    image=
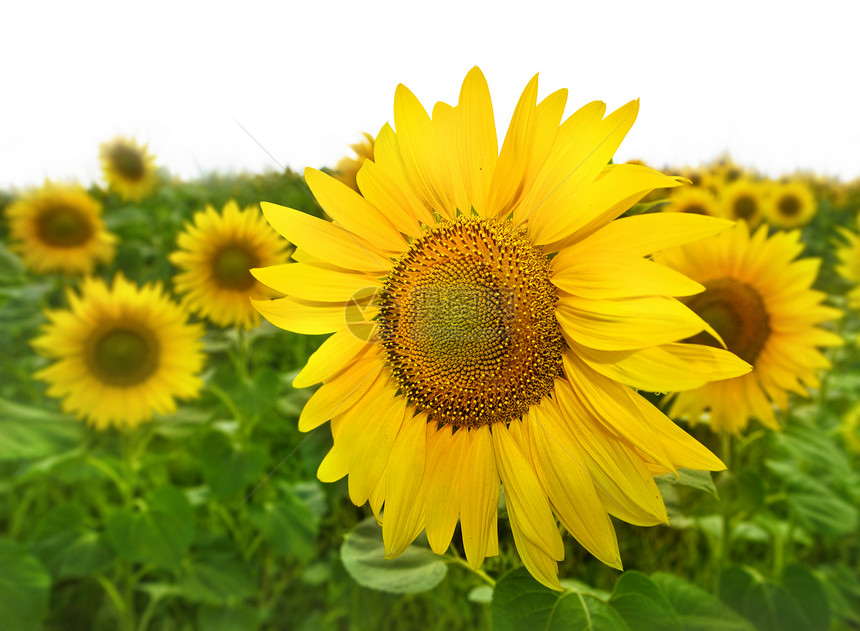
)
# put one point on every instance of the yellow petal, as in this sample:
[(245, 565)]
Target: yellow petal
[(479, 498), (309, 282), (645, 234), (330, 358), (577, 206), (477, 139), (300, 316), (324, 240), (567, 481), (610, 277), (524, 492), (387, 155), (405, 487), (343, 391), (352, 212), (445, 453), (380, 189), (665, 368), (628, 324), (371, 440)]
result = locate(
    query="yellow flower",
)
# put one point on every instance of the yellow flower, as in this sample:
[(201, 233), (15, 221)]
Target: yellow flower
[(122, 353), (216, 250), (511, 315), (790, 205), (128, 168), (849, 427), (848, 267), (759, 299), (59, 228), (743, 199), (693, 200), (347, 168)]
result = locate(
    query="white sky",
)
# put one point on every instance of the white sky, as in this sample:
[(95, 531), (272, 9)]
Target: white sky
[(773, 83)]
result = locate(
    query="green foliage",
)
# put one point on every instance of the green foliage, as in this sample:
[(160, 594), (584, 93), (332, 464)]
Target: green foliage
[(363, 556), (212, 518)]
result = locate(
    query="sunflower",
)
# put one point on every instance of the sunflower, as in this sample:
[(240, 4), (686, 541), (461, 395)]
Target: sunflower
[(790, 205), (511, 315), (759, 299), (59, 228), (743, 199), (848, 267), (347, 168), (122, 353), (216, 250), (693, 200), (128, 168)]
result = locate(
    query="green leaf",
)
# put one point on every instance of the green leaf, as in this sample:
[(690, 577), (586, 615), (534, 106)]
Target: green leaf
[(734, 587), (771, 608), (641, 604), (807, 591), (228, 618), (363, 554), (24, 588), (481, 594), (520, 602), (697, 609), (159, 531), (29, 432), (288, 525), (217, 578), (815, 449), (227, 469), (689, 477), (815, 505)]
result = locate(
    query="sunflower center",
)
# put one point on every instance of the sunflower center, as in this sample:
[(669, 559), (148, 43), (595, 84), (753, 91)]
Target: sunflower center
[(122, 356), (63, 227), (128, 162), (230, 268), (789, 206), (745, 207), (467, 319), (737, 313)]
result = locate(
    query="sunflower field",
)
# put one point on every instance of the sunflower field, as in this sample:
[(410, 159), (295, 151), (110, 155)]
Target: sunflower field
[(450, 382)]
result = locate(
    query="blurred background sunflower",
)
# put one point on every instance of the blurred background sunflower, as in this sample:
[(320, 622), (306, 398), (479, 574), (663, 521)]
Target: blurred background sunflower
[(121, 353), (761, 302), (128, 168), (59, 228), (216, 252)]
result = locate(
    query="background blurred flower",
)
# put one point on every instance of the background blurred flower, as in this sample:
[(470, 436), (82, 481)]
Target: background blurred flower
[(216, 252), (128, 168), (347, 167), (59, 228), (122, 353), (790, 204), (761, 302)]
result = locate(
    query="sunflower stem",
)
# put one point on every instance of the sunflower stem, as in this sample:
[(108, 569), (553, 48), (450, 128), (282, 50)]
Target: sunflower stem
[(479, 572), (227, 401)]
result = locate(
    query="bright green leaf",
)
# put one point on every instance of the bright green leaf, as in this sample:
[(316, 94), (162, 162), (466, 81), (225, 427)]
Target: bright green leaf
[(642, 605), (520, 602), (697, 609), (363, 554)]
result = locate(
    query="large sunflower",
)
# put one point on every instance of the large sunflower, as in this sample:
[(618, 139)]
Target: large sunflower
[(128, 168), (59, 228), (759, 299), (121, 352), (512, 314), (216, 250)]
